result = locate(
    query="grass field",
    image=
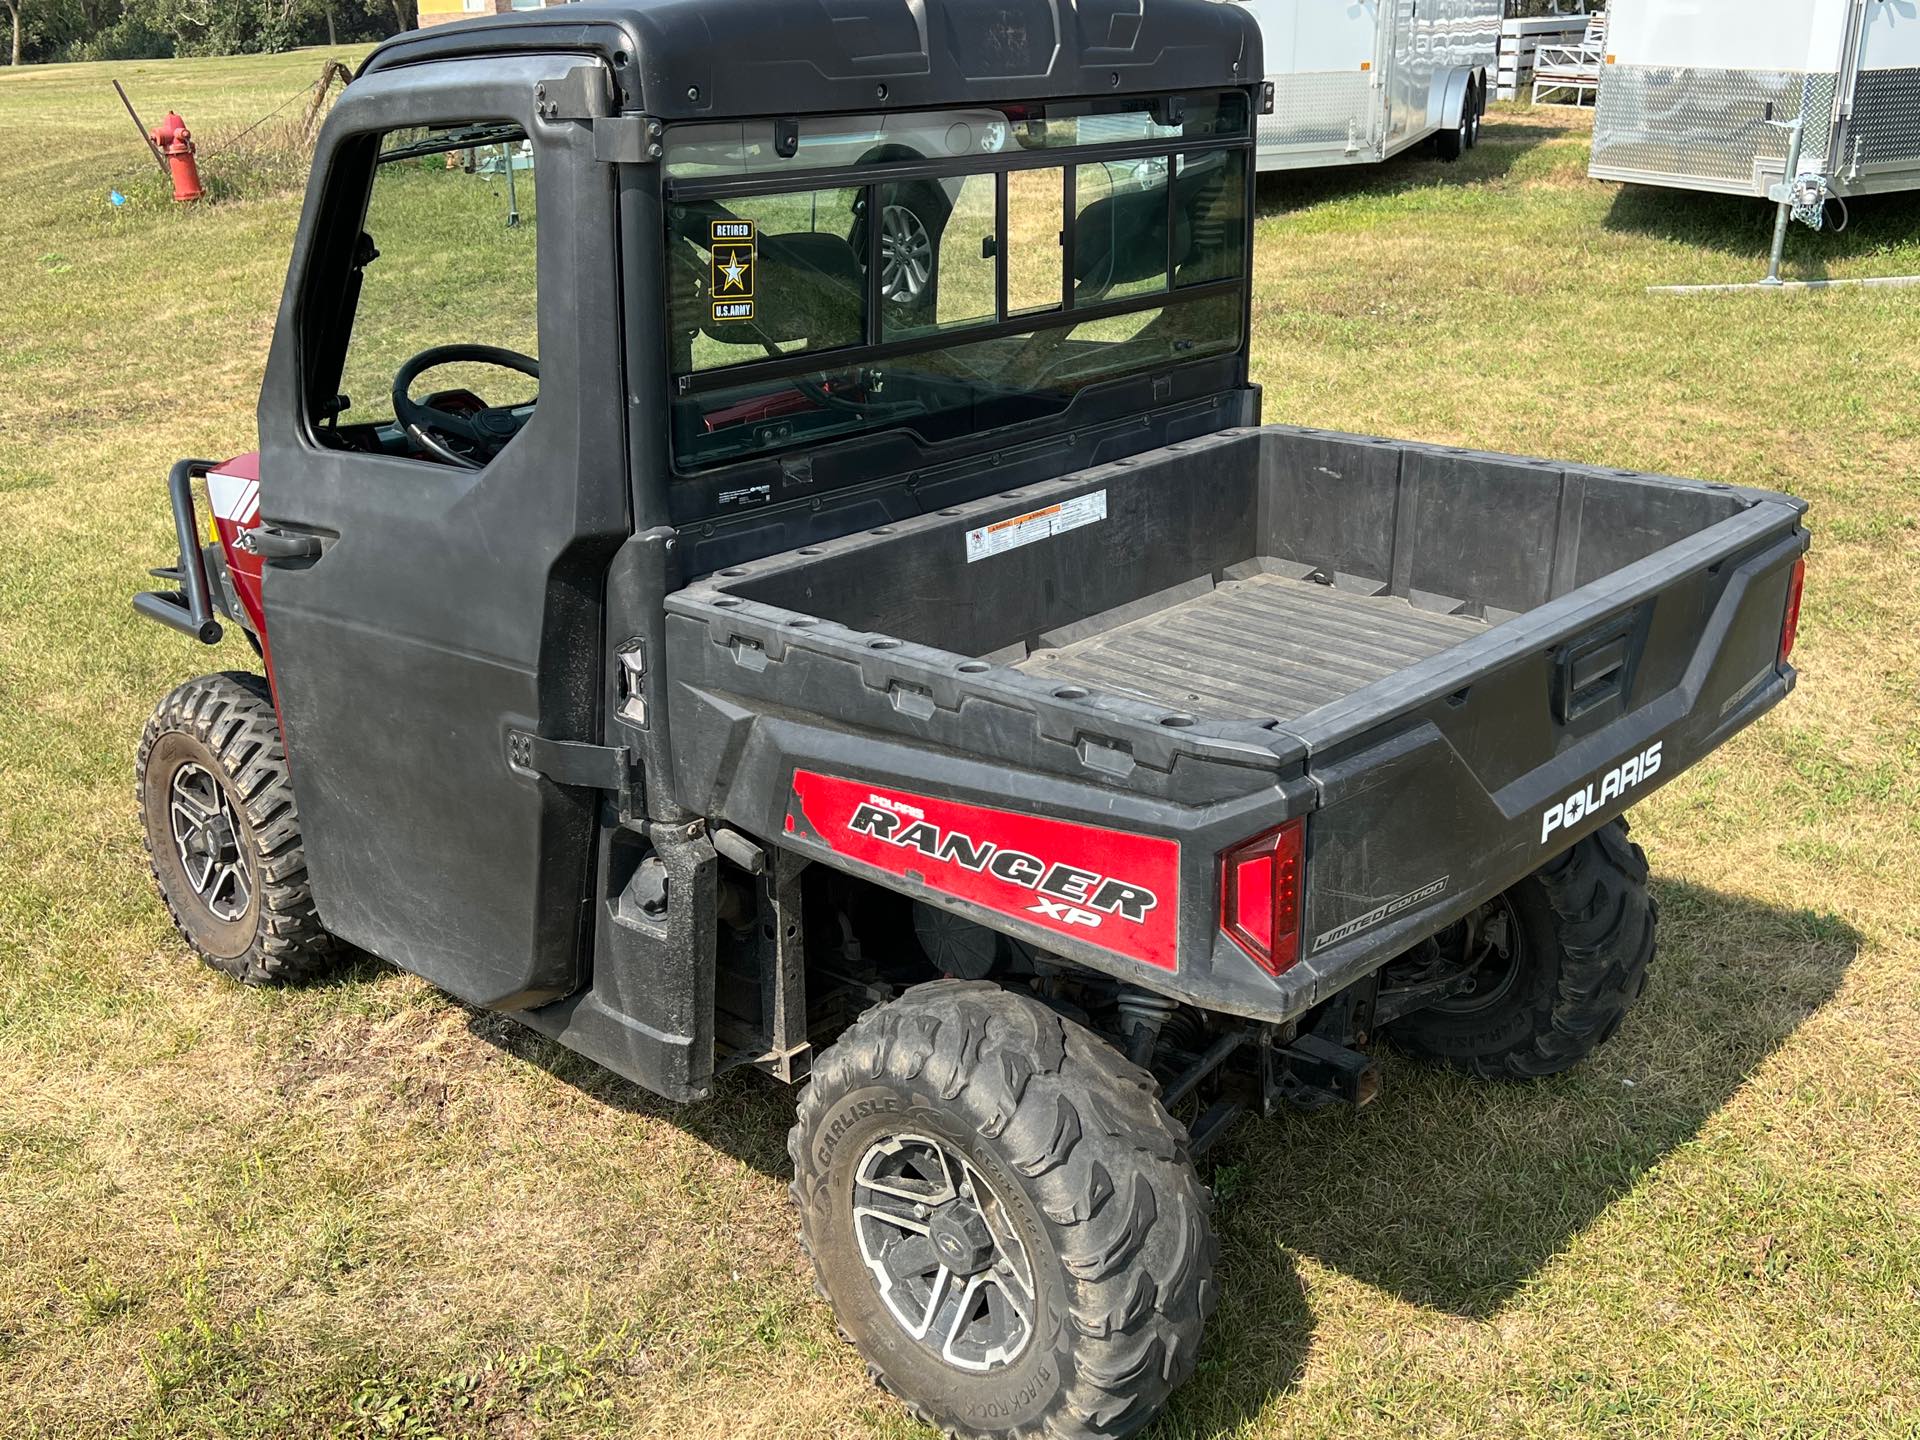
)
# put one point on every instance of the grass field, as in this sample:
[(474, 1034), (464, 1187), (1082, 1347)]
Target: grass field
[(360, 1209)]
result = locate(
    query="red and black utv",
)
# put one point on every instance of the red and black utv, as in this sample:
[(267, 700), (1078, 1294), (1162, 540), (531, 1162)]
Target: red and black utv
[(875, 642)]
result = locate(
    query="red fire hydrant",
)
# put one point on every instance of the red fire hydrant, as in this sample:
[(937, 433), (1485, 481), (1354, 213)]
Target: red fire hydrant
[(176, 143)]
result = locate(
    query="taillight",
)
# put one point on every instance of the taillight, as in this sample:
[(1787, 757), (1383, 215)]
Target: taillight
[(1260, 896), (1790, 627)]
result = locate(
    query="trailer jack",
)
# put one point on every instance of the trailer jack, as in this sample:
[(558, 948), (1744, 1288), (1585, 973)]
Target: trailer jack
[(1796, 196)]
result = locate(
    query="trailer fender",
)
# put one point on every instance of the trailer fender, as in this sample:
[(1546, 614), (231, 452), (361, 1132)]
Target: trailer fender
[(1446, 101)]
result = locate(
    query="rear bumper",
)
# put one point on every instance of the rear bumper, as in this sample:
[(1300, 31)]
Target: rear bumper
[(1031, 849)]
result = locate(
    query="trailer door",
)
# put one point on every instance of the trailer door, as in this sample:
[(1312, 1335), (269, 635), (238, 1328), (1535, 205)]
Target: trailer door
[(1880, 98), (1403, 89)]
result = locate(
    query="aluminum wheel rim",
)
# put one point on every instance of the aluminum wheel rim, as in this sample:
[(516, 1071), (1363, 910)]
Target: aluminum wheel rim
[(944, 1253), (206, 838), (906, 255)]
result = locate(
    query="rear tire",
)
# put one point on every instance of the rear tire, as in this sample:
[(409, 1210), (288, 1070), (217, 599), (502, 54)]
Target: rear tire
[(1581, 936), (1452, 144), (1076, 1216), (222, 834)]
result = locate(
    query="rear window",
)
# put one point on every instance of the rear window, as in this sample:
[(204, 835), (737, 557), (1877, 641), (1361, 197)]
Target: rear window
[(946, 273)]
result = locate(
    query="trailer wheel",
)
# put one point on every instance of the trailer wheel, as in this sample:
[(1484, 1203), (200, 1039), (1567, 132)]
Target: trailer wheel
[(1003, 1216), (1558, 960), (1452, 144), (222, 834)]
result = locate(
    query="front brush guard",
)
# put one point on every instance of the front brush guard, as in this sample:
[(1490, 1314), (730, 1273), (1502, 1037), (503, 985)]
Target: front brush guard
[(190, 608)]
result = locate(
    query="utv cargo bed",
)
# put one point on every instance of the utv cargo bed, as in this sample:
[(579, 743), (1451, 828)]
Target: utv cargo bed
[(1256, 643), (1204, 641)]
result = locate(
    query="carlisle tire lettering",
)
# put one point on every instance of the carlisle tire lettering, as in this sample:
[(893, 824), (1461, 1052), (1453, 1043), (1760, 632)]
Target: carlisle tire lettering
[(847, 1119)]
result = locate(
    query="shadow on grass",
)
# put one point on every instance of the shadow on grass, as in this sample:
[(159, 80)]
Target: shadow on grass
[(747, 1117), (1452, 1193), (1740, 225), (1502, 143)]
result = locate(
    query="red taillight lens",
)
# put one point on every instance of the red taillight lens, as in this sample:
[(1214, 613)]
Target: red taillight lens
[(1260, 896), (1790, 627)]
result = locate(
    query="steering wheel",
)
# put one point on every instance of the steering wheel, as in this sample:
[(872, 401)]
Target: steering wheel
[(488, 431)]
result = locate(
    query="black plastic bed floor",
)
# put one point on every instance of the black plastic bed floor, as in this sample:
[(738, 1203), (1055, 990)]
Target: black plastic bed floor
[(1264, 645)]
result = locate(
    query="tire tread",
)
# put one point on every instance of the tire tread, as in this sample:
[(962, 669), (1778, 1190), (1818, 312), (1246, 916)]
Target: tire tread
[(1107, 1166), (231, 713), (1605, 920)]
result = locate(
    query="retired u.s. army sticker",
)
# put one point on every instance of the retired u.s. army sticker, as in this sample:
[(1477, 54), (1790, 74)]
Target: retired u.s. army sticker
[(732, 288)]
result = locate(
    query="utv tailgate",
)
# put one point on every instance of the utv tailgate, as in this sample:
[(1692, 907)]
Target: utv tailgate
[(1452, 664)]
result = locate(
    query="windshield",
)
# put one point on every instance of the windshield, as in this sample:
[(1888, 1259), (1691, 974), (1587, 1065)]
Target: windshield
[(946, 273)]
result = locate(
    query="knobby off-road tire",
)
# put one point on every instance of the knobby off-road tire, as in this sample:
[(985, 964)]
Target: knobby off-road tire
[(1089, 1189), (1583, 933), (222, 834)]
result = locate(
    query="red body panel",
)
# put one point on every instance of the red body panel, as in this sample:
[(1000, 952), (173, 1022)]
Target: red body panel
[(233, 491), (1111, 888)]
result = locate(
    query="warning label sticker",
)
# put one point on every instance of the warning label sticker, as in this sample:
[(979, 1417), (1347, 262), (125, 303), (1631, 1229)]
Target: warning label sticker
[(1018, 530), (732, 282)]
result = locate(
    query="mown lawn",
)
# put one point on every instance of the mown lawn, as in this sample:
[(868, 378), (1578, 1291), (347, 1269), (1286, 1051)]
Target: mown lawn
[(360, 1209)]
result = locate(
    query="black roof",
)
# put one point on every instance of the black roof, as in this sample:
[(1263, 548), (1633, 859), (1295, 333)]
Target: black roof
[(715, 59)]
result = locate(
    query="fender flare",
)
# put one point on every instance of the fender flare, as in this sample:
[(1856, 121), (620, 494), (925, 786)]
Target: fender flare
[(1446, 99)]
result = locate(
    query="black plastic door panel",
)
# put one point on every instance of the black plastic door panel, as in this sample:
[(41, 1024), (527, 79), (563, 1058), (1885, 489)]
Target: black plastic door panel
[(450, 606)]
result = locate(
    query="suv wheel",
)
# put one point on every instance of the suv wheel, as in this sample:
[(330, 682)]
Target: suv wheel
[(1556, 963), (906, 256), (1003, 1216), (910, 227), (222, 834)]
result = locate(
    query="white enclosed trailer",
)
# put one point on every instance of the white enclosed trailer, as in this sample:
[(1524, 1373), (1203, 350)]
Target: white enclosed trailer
[(1702, 95), (1355, 81)]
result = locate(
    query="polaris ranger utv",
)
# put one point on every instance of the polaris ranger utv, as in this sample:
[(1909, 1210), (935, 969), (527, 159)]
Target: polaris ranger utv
[(874, 642)]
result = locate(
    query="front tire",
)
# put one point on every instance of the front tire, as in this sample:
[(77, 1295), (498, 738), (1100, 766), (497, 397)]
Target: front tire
[(222, 834), (1003, 1216), (1558, 960)]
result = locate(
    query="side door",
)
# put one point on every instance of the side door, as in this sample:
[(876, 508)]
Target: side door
[(1405, 94), (455, 596), (1879, 97)]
